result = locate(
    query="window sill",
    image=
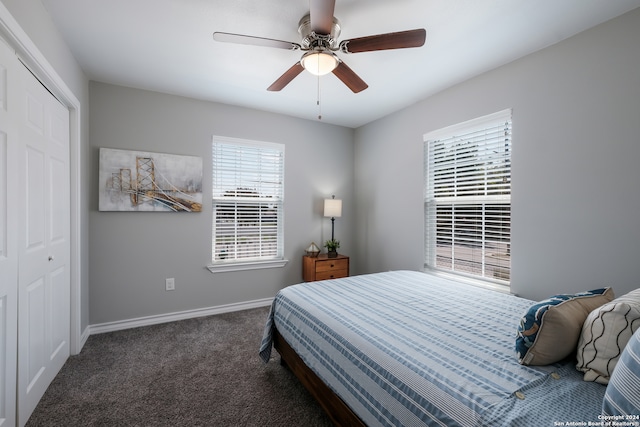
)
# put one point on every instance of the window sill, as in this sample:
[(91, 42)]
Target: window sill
[(251, 265), (503, 287)]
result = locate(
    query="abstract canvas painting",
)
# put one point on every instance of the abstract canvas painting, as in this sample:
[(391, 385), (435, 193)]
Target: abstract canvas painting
[(143, 181)]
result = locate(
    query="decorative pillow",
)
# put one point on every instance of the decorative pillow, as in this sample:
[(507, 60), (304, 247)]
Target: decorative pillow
[(604, 335), (550, 329), (621, 396)]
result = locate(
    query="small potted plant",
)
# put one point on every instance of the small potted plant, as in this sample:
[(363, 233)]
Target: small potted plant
[(332, 247)]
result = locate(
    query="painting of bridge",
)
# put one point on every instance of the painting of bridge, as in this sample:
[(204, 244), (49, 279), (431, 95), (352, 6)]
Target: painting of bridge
[(143, 181)]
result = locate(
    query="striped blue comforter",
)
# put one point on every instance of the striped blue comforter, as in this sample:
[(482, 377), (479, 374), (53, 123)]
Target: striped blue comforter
[(407, 348)]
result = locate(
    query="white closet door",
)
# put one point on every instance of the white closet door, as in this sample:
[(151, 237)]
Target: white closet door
[(43, 273), (8, 237)]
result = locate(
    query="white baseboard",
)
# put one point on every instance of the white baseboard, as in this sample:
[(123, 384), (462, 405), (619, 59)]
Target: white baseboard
[(172, 317), (84, 336)]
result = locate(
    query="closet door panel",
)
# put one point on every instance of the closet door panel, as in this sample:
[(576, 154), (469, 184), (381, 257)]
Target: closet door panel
[(58, 314), (33, 358), (8, 235), (34, 237), (44, 278)]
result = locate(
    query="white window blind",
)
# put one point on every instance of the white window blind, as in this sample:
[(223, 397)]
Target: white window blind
[(248, 198), (468, 198)]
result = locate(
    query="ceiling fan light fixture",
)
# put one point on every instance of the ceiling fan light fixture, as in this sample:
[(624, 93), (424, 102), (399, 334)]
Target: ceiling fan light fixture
[(319, 63)]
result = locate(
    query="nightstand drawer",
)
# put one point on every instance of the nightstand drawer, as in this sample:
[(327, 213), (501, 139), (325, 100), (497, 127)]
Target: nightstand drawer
[(331, 274), (331, 265)]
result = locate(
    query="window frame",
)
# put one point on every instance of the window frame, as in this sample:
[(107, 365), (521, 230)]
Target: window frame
[(218, 195), (472, 201)]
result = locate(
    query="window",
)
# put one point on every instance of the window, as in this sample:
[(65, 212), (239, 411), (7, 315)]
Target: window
[(248, 198), (468, 198)]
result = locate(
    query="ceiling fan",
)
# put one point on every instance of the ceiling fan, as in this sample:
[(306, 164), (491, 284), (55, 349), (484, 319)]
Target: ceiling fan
[(319, 31)]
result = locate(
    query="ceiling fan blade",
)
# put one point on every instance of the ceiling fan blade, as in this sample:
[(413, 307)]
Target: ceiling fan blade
[(286, 78), (350, 78), (254, 41), (399, 40), (321, 13)]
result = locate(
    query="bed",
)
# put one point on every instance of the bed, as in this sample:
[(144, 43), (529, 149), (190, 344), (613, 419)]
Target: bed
[(410, 348)]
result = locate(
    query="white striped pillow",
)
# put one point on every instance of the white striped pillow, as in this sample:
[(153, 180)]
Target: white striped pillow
[(621, 396), (605, 334)]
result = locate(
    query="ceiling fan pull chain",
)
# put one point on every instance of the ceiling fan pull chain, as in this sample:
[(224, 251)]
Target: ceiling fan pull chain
[(318, 101)]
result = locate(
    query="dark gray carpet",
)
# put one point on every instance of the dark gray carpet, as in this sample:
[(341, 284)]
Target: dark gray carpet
[(197, 372)]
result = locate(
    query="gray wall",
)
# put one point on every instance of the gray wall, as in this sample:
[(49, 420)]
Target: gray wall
[(133, 252), (576, 148), (37, 24)]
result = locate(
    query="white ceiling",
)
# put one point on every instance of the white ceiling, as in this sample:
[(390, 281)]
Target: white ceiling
[(167, 46)]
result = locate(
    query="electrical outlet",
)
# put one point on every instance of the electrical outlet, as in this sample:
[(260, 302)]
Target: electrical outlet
[(170, 284)]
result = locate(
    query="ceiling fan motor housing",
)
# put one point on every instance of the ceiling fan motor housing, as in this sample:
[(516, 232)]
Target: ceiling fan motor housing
[(311, 40)]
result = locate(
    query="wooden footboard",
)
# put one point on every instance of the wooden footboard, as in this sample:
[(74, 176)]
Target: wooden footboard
[(336, 409)]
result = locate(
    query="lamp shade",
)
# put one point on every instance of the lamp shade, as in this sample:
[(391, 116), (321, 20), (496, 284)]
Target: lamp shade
[(333, 208)]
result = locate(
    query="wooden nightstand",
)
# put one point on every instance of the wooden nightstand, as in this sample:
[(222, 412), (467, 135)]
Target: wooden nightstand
[(323, 267)]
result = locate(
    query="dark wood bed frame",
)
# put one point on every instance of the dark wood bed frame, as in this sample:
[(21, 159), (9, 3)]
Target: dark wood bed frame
[(334, 406)]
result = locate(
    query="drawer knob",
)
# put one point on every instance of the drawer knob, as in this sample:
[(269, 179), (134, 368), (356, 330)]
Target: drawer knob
[(331, 265)]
